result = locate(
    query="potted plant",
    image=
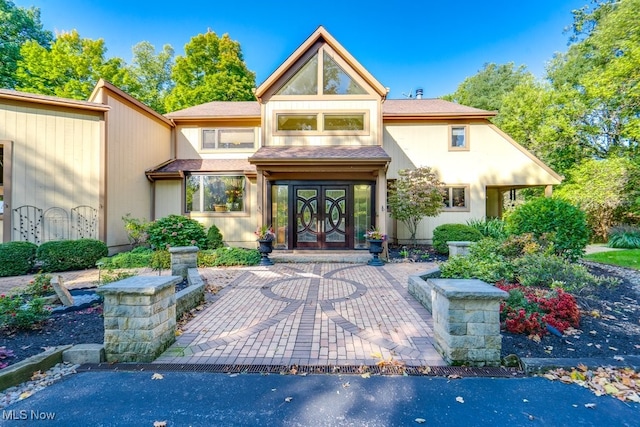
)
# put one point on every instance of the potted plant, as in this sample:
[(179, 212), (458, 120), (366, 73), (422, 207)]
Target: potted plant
[(219, 203), (375, 238), (266, 236)]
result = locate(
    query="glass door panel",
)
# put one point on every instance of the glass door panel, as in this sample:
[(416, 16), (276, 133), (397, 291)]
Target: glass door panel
[(335, 217), (362, 214), (280, 215), (307, 217)]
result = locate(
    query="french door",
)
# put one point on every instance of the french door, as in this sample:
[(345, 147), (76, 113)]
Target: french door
[(322, 219)]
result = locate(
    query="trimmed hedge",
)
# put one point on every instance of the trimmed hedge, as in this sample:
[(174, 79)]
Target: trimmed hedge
[(17, 258), (65, 255), (451, 233)]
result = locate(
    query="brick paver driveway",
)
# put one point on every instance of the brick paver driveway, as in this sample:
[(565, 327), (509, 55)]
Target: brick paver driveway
[(311, 314)]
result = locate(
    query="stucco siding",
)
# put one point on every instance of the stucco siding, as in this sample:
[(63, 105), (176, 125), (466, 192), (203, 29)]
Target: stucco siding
[(55, 159), (136, 142)]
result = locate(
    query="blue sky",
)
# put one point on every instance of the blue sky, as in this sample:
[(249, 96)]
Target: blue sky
[(404, 44)]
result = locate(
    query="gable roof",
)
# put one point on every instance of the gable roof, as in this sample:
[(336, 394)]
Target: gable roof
[(403, 109), (321, 34), (51, 100), (219, 109)]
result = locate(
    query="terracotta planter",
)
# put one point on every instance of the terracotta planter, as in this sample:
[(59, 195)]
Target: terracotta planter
[(265, 247), (220, 208), (375, 249)]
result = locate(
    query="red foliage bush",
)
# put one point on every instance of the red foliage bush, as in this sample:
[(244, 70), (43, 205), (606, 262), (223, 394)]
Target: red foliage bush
[(529, 310)]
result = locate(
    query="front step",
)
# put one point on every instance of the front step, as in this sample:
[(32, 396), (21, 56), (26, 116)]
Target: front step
[(299, 256)]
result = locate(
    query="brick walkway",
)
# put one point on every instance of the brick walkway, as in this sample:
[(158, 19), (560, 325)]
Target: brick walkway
[(310, 314)]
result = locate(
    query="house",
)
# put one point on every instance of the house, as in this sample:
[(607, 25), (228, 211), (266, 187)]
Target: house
[(313, 156)]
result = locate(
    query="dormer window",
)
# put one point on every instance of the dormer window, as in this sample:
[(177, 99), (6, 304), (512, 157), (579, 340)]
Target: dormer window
[(321, 75)]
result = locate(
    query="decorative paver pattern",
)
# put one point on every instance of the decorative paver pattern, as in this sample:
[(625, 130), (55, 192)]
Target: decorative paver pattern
[(311, 314)]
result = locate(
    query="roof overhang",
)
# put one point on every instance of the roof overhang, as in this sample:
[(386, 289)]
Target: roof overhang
[(439, 116), (178, 168)]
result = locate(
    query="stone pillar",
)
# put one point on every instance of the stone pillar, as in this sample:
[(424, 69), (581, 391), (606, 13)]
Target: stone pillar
[(182, 259), (139, 317), (466, 318), (458, 248)]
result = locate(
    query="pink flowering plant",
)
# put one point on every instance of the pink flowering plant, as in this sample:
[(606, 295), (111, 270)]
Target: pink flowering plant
[(374, 233), (265, 232)]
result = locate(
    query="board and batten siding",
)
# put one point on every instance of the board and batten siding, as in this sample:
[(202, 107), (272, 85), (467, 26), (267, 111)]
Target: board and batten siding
[(137, 141), (56, 156), (492, 160), (339, 106)]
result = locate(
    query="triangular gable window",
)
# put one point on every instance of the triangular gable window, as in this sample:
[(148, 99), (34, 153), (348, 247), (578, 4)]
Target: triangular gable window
[(305, 81), (335, 81)]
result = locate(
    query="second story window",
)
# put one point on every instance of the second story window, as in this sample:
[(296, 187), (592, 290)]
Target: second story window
[(228, 139), (322, 123), (459, 138)]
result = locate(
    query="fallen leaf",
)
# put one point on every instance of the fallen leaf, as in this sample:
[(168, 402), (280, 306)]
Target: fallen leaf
[(159, 424), (25, 394), (454, 377), (613, 348), (366, 375), (346, 385), (157, 376), (459, 399), (420, 420), (288, 399), (619, 358)]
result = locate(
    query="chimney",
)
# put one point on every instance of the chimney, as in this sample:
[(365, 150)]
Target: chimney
[(419, 93)]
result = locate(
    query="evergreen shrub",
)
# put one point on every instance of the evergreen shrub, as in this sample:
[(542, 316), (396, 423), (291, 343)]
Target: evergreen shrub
[(453, 232), (65, 255), (17, 258)]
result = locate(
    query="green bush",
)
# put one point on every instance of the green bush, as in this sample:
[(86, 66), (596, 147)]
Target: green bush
[(137, 258), (214, 238), (176, 230), (64, 255), (227, 257), (544, 270), (17, 258), (136, 230), (624, 237), (564, 224), (16, 312), (40, 286), (484, 262), (451, 233), (493, 227), (160, 260), (518, 245)]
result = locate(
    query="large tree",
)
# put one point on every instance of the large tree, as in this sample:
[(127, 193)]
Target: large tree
[(70, 69), (151, 75), (212, 69), (601, 71), (488, 88), (17, 26)]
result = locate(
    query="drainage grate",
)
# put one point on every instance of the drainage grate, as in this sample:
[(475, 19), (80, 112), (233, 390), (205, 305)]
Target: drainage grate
[(433, 371)]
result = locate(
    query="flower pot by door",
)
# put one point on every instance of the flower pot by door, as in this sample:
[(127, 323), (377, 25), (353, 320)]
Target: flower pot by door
[(375, 249), (265, 248)]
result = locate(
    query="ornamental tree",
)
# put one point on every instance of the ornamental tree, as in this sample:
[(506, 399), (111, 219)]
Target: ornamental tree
[(416, 194)]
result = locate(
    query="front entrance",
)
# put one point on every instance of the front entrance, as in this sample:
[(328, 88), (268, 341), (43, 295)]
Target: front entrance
[(321, 214)]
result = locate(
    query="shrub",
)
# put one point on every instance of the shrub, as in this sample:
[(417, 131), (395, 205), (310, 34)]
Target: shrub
[(530, 310), (564, 224), (64, 255), (16, 312), (518, 245), (227, 257), (453, 232), (491, 270), (17, 258), (40, 286), (110, 277), (139, 257), (176, 230), (624, 237), (160, 260), (137, 231), (544, 270), (214, 238), (493, 227)]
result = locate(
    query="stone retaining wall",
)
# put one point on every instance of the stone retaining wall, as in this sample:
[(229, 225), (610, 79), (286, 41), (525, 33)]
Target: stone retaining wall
[(466, 318), (191, 296), (139, 317), (182, 259)]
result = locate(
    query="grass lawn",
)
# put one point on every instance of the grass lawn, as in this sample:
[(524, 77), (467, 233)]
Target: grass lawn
[(629, 258)]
